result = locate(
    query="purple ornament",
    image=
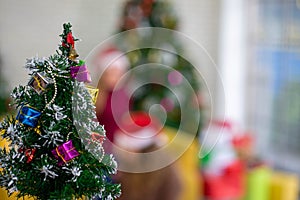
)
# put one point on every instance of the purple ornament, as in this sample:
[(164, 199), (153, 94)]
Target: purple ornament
[(80, 73), (65, 152)]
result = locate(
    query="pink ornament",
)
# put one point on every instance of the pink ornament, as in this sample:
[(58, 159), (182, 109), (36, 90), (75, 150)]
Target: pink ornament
[(175, 78)]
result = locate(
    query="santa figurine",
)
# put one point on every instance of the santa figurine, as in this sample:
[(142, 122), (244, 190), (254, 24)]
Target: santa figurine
[(223, 171)]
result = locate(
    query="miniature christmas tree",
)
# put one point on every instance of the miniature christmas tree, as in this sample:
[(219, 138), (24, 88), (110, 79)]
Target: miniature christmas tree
[(159, 14), (55, 144)]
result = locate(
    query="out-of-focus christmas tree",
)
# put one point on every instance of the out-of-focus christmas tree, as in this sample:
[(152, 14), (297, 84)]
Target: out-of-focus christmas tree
[(55, 144), (159, 14)]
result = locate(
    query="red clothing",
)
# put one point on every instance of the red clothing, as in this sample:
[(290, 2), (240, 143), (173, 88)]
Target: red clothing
[(117, 105)]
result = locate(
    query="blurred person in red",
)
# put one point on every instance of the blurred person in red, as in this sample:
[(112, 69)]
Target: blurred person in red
[(141, 134), (112, 101)]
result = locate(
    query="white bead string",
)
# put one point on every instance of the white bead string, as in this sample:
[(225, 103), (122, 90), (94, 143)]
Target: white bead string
[(61, 76), (68, 135), (46, 100), (103, 153), (55, 88), (55, 91)]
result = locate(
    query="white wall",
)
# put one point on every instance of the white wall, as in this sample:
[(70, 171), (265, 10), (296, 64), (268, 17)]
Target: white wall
[(32, 27)]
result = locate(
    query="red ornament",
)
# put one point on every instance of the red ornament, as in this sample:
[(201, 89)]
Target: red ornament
[(29, 153), (70, 39), (97, 137)]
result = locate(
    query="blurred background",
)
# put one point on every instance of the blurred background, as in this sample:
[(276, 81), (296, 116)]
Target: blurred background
[(256, 48)]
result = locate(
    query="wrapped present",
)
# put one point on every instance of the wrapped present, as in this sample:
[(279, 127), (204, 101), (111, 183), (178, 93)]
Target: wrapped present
[(97, 137), (258, 183), (39, 83), (228, 185), (29, 153), (284, 186), (80, 72), (93, 92), (65, 152), (28, 116)]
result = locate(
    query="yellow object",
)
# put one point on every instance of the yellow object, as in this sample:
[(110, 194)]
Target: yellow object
[(93, 92), (4, 195), (284, 186), (188, 164), (37, 130), (258, 183), (3, 143), (38, 84), (73, 54)]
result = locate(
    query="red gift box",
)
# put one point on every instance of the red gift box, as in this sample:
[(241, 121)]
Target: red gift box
[(229, 185)]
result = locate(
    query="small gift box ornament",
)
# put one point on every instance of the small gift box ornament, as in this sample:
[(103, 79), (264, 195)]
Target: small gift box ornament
[(28, 116), (65, 152), (97, 137), (39, 83), (80, 72), (29, 153), (93, 92)]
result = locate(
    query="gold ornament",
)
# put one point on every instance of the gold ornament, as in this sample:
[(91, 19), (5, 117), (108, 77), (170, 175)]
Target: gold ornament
[(73, 54), (39, 82), (93, 92), (37, 130)]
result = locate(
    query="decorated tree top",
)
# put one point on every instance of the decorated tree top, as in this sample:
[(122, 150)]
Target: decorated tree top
[(54, 143)]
